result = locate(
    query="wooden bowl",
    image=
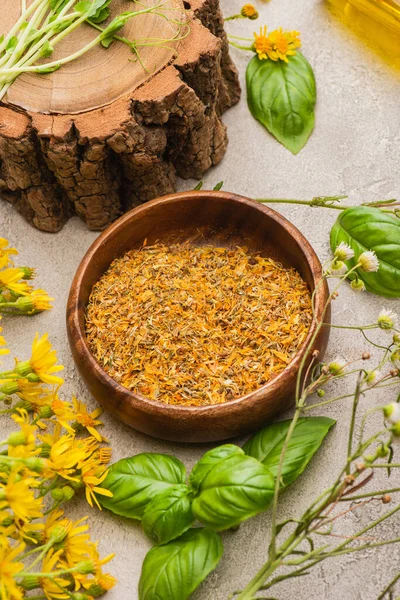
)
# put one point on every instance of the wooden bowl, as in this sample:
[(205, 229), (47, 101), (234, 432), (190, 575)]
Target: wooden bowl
[(216, 218)]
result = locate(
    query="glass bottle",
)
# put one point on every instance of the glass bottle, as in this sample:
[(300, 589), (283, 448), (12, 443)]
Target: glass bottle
[(376, 20)]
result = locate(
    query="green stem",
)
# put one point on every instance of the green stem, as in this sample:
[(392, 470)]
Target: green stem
[(389, 587), (369, 494), (353, 421)]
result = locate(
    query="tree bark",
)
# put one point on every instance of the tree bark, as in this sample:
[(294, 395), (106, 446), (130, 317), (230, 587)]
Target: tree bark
[(100, 163)]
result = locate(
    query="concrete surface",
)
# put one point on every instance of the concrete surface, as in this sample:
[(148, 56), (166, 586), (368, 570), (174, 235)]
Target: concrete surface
[(354, 150)]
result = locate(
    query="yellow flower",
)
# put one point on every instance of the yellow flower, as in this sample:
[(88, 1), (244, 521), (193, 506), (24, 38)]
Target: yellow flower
[(43, 360), (3, 343), (249, 12), (9, 568), (104, 456), (5, 253), (92, 477), (51, 587), (284, 44), (27, 433), (63, 411), (278, 45), (77, 543), (10, 279), (65, 454), (262, 44), (87, 420), (36, 301), (18, 495)]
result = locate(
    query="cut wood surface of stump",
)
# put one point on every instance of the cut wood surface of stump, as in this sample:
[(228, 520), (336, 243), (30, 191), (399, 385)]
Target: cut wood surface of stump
[(103, 134)]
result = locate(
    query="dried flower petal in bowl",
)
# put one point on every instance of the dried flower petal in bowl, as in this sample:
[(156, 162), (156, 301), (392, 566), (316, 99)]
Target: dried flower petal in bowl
[(196, 325)]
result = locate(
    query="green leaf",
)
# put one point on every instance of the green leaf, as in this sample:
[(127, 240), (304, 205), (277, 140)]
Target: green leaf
[(135, 481), (47, 49), (11, 44), (112, 28), (168, 515), (92, 8), (282, 97), (308, 435), (219, 186), (211, 458), (235, 489), (366, 228), (175, 570)]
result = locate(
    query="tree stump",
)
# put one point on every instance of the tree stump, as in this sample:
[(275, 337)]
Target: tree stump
[(102, 134)]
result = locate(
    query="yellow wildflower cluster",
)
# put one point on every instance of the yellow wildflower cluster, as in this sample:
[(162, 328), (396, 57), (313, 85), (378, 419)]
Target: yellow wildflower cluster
[(17, 296), (55, 451), (278, 45)]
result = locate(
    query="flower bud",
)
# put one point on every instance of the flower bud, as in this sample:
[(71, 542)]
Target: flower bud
[(249, 12), (396, 429), (369, 458), (24, 368), (58, 534), (371, 377), (338, 267), (349, 479), (96, 590), (64, 494), (395, 358), (11, 387), (357, 285), (360, 467), (28, 273), (45, 450), (45, 412), (35, 464), (392, 412), (30, 582), (382, 451), (396, 339), (387, 319), (336, 367), (85, 567), (320, 393), (17, 438)]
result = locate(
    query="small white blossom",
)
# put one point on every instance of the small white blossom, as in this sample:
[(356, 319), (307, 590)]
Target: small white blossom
[(338, 267), (368, 261), (344, 252), (387, 319), (392, 412), (337, 366), (372, 377), (357, 285)]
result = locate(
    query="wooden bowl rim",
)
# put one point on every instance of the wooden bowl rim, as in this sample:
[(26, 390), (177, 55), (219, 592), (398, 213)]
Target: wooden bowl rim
[(75, 308)]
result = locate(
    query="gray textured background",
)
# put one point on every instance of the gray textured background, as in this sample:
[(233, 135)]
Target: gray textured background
[(354, 150)]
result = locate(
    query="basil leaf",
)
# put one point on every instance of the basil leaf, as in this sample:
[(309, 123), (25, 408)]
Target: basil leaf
[(282, 97), (135, 481), (308, 435), (211, 458), (168, 515), (232, 491), (175, 570), (366, 228)]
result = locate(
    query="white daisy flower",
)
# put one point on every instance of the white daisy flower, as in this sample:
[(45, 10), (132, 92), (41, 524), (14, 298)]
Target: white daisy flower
[(368, 261)]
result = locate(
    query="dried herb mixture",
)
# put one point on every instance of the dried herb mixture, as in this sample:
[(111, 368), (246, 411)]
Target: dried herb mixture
[(196, 325)]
